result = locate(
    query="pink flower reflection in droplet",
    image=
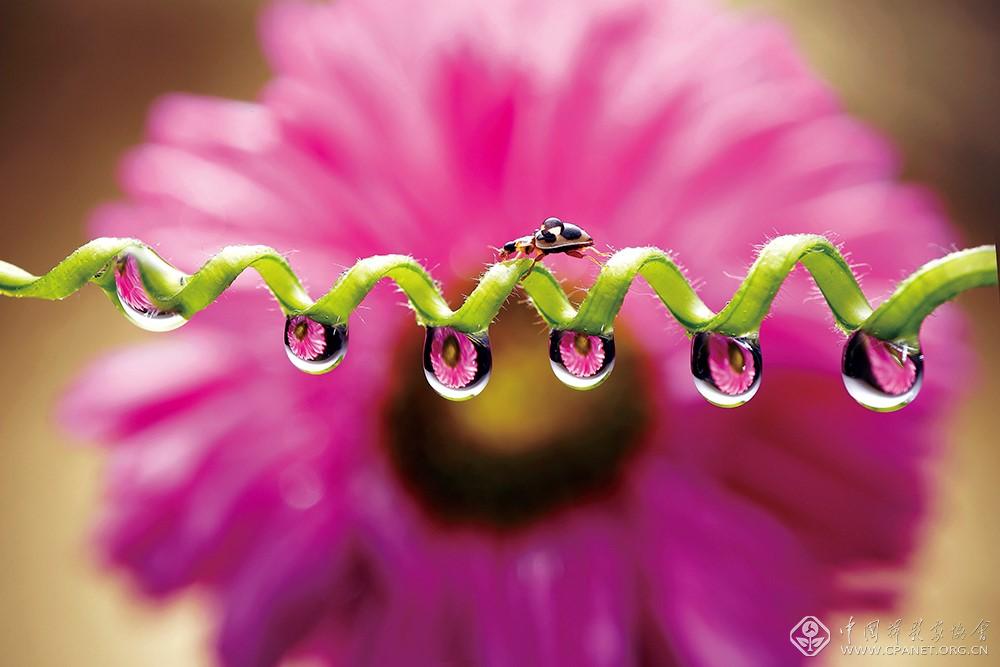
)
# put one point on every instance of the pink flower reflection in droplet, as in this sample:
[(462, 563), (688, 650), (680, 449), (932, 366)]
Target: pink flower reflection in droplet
[(582, 355)]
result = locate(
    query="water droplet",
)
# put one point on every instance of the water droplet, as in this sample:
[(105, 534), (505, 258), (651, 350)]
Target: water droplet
[(314, 347), (580, 360), (881, 375), (457, 365), (726, 370), (135, 300)]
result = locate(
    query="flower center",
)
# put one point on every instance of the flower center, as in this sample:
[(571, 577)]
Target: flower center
[(528, 444), (300, 330), (582, 344), (450, 351), (736, 359)]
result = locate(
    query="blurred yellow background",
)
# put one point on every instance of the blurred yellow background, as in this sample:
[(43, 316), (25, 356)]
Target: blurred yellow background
[(77, 79)]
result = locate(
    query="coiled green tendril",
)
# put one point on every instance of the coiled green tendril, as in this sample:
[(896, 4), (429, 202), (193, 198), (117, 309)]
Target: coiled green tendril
[(897, 318)]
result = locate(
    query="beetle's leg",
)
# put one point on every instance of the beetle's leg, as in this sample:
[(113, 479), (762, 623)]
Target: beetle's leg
[(579, 253), (537, 258), (597, 252)]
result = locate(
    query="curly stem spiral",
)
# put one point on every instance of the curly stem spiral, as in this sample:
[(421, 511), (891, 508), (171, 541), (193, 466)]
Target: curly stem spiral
[(898, 318)]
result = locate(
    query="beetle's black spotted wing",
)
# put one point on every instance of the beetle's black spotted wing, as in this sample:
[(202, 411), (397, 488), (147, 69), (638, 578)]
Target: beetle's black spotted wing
[(571, 232)]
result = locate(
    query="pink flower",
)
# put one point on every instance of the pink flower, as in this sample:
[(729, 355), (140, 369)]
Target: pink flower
[(894, 372), (732, 369), (128, 284), (360, 518), (305, 337), (453, 358), (582, 355)]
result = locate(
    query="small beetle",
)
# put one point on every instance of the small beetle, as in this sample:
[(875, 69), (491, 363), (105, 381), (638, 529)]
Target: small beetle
[(552, 237)]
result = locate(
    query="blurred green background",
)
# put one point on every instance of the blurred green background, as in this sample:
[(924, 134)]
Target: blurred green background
[(76, 80)]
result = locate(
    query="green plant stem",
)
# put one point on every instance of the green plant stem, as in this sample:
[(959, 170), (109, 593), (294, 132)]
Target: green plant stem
[(898, 318)]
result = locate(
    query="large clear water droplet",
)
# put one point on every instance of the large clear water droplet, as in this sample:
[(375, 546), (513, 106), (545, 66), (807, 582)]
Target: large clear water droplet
[(581, 361), (135, 301), (881, 375), (314, 347), (457, 365), (726, 370)]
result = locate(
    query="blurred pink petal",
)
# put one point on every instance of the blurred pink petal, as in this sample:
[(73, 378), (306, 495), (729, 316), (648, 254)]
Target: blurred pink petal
[(727, 581), (565, 594)]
